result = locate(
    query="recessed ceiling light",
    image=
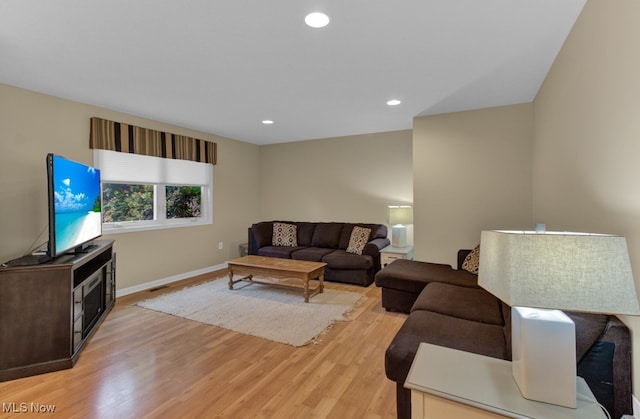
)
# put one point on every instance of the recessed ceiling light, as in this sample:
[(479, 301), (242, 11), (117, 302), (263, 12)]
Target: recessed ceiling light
[(393, 102), (267, 122), (317, 20)]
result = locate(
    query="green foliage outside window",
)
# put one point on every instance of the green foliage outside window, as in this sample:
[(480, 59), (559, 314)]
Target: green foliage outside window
[(126, 202), (183, 201)]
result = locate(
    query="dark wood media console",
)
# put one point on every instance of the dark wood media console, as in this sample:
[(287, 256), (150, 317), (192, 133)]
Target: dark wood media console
[(49, 311)]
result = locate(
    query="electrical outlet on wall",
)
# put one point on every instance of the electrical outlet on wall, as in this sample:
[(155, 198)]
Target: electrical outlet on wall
[(220, 245)]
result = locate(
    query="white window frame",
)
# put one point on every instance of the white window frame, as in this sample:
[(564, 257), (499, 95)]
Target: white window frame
[(117, 167)]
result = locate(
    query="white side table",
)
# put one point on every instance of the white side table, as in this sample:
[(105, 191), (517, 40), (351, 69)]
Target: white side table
[(447, 383), (390, 253)]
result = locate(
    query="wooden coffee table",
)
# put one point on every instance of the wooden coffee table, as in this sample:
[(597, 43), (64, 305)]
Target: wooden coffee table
[(278, 268)]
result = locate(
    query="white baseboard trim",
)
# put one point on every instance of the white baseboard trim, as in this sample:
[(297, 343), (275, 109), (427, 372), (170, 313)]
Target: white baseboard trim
[(636, 407), (169, 280)]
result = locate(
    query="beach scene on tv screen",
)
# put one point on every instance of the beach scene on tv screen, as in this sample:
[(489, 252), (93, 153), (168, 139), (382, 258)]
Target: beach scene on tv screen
[(77, 203)]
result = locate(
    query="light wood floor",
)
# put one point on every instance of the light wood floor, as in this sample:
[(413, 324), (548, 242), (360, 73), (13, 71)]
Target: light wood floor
[(141, 363)]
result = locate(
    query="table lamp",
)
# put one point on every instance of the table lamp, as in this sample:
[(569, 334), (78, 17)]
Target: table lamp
[(540, 273), (399, 216)]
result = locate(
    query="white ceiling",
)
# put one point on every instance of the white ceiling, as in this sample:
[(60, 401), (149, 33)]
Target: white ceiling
[(223, 66)]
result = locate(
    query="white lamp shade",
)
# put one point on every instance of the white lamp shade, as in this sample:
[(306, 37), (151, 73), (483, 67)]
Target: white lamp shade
[(568, 271), (400, 215)]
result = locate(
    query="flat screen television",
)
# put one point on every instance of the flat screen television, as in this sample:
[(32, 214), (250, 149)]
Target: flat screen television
[(75, 217)]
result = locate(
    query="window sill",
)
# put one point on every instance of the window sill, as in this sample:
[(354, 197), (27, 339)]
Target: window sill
[(119, 228)]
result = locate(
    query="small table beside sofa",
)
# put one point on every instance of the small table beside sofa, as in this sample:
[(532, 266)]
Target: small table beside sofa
[(447, 383), (446, 307)]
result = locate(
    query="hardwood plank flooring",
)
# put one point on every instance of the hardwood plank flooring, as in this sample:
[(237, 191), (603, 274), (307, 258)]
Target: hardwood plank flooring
[(145, 364)]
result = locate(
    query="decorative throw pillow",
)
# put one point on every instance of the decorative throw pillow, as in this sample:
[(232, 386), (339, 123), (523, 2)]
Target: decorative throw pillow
[(285, 234), (472, 261), (359, 239)]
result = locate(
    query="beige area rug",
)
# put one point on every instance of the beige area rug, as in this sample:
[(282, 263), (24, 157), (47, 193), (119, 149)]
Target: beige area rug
[(273, 313)]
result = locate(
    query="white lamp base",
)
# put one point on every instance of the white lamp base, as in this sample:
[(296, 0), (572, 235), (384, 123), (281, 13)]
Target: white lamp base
[(544, 355), (399, 236)]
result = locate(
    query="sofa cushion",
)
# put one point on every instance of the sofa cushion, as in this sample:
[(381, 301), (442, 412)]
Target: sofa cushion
[(340, 259), (412, 276), (327, 235), (278, 251), (359, 239), (305, 233), (314, 254), (589, 328), (263, 233), (284, 234), (439, 329), (474, 304), (472, 261)]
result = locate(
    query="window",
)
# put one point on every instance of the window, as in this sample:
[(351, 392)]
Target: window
[(141, 192), (127, 202)]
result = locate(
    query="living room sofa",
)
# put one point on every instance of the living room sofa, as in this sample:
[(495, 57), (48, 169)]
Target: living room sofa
[(453, 311), (329, 242), (403, 280)]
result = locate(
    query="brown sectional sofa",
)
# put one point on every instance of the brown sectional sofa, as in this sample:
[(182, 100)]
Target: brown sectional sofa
[(403, 280), (325, 242), (450, 309)]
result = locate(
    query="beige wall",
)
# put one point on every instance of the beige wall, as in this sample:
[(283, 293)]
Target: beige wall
[(587, 132), (350, 179), (32, 125), (471, 172)]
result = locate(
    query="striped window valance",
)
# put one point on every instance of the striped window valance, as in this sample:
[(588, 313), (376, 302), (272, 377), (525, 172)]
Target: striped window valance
[(116, 136)]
